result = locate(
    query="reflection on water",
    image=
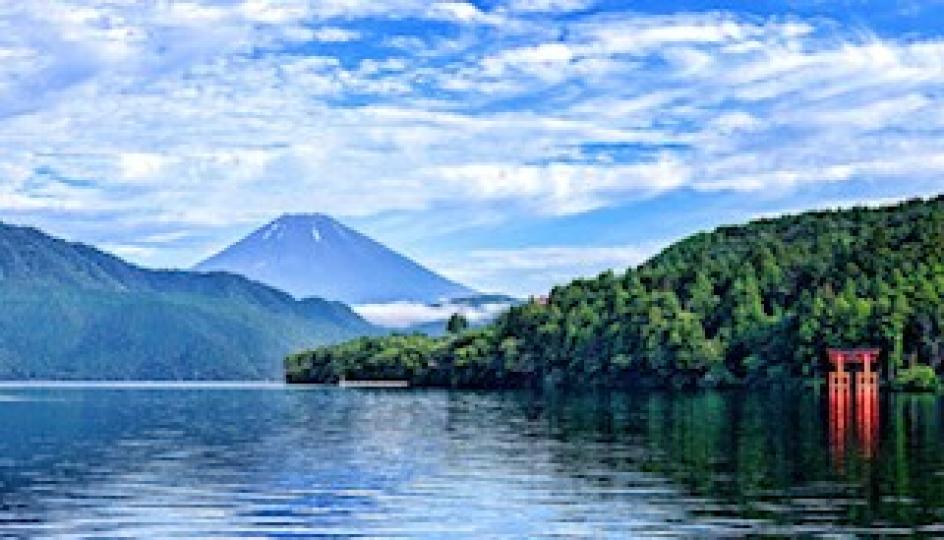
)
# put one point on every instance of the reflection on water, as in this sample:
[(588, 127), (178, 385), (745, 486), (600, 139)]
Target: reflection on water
[(845, 403), (271, 461)]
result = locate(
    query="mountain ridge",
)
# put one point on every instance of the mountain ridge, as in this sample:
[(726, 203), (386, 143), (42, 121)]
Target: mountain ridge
[(73, 311)]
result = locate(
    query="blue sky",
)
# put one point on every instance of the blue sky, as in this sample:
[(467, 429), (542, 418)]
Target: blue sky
[(510, 144)]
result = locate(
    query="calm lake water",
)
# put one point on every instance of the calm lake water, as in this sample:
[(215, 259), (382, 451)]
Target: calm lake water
[(270, 461)]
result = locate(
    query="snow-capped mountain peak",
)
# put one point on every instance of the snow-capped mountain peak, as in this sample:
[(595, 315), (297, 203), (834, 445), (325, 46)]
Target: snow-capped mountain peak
[(315, 255)]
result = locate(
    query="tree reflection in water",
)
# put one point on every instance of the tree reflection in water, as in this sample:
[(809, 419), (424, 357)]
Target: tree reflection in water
[(845, 403)]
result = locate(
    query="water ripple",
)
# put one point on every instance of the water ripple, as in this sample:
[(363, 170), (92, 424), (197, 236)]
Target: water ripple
[(262, 462)]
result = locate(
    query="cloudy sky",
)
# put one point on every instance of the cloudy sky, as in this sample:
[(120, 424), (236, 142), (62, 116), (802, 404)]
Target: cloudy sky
[(509, 144)]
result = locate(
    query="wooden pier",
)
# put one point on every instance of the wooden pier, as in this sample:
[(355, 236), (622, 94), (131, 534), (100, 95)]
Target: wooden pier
[(345, 383)]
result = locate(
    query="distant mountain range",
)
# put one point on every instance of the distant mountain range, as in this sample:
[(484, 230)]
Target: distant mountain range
[(314, 255), (70, 311)]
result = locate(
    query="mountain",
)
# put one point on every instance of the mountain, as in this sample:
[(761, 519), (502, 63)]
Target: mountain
[(314, 255), (70, 311), (741, 304)]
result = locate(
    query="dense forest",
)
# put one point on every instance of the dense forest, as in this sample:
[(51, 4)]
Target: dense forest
[(741, 304)]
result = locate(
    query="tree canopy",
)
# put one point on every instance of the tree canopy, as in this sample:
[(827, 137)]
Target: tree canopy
[(756, 302)]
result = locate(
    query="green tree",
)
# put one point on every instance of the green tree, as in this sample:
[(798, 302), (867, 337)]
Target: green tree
[(457, 324)]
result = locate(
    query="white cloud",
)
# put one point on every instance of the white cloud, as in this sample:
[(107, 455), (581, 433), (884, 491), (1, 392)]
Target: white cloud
[(545, 53), (462, 12), (561, 188), (274, 11), (549, 5), (207, 115), (640, 35), (140, 164), (406, 314), (333, 34)]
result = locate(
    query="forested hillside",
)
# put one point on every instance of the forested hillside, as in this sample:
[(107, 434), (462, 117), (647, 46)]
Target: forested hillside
[(748, 303), (70, 311)]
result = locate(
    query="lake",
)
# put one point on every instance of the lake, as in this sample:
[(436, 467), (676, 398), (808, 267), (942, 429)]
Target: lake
[(271, 461)]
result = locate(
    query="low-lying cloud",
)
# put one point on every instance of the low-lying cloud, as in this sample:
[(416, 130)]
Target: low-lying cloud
[(407, 314)]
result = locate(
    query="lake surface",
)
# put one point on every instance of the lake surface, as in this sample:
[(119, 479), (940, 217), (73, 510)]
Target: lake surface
[(270, 461)]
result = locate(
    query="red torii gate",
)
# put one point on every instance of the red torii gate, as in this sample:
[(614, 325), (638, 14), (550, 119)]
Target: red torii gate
[(840, 358), (841, 403)]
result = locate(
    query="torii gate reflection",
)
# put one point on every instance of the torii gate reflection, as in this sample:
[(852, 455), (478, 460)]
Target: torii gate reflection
[(864, 365)]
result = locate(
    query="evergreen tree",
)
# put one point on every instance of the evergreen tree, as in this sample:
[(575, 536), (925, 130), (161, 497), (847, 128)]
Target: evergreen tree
[(456, 324)]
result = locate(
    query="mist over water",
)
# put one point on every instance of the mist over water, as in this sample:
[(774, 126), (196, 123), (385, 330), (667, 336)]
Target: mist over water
[(270, 461)]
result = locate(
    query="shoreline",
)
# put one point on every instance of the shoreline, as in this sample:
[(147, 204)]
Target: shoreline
[(145, 384)]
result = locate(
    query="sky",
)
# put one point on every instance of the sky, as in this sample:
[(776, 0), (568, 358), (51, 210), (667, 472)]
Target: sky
[(508, 144)]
